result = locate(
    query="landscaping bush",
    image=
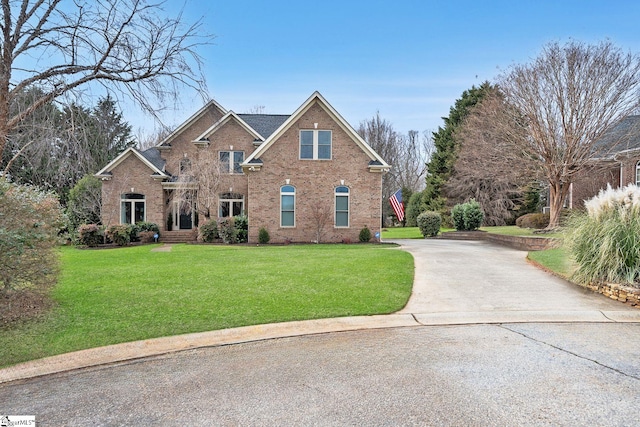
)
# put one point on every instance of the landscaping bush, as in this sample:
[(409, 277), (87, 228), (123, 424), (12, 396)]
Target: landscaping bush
[(263, 236), (533, 220), (133, 230), (83, 205), (148, 226), (365, 235), (457, 217), (605, 241), (120, 234), (209, 231), (90, 235), (467, 216), (473, 215), (30, 220), (227, 230), (241, 225), (147, 236), (429, 223)]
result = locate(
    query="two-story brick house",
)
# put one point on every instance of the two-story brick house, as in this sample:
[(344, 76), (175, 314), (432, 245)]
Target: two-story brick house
[(291, 174)]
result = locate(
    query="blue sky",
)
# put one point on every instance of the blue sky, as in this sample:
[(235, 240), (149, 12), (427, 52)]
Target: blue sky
[(410, 60)]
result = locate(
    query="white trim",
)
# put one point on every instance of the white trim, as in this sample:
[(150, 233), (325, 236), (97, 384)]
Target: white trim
[(198, 114), (103, 173), (223, 121), (319, 99), (335, 206), (294, 205), (315, 144)]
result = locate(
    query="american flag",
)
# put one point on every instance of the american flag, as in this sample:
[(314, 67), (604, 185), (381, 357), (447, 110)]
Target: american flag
[(396, 204)]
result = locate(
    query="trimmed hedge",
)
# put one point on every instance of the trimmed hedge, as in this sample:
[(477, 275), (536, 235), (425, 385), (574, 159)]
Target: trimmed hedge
[(429, 223)]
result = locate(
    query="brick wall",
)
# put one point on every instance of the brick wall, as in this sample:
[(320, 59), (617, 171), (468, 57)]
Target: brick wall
[(315, 182), (132, 176), (591, 180)]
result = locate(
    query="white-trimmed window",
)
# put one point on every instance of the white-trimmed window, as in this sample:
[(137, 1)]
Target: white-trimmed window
[(132, 208), (637, 173), (315, 144), (230, 204), (287, 206), (185, 166), (230, 161), (342, 206)]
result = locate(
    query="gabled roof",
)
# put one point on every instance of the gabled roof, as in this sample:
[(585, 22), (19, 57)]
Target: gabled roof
[(317, 98), (106, 171), (201, 112), (229, 116), (623, 137), (264, 124)]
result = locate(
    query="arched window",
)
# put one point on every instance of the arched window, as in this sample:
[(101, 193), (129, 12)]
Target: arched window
[(230, 204), (342, 206), (132, 208), (287, 206), (637, 174)]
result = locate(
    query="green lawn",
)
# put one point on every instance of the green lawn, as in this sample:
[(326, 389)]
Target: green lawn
[(126, 294), (414, 232), (556, 260)]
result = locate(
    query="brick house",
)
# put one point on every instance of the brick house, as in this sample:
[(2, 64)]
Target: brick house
[(294, 175), (618, 165)]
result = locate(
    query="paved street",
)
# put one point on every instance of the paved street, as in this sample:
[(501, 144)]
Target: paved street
[(479, 375), (449, 367)]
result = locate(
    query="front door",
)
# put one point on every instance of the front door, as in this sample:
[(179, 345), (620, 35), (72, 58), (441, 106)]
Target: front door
[(183, 214)]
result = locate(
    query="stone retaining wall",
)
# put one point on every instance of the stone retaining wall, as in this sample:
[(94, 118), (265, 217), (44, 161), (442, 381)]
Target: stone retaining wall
[(522, 243), (617, 292)]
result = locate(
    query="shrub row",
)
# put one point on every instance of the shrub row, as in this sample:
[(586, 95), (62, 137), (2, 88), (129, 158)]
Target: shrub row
[(533, 220), (93, 235), (229, 230)]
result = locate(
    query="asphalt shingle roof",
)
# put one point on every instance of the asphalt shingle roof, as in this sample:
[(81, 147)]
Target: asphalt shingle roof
[(153, 155), (264, 124), (622, 137)]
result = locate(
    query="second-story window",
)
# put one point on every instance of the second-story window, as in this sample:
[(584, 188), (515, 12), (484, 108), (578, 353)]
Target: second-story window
[(315, 144), (230, 161)]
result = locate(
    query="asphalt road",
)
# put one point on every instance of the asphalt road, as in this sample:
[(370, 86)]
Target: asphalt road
[(477, 375), (574, 370)]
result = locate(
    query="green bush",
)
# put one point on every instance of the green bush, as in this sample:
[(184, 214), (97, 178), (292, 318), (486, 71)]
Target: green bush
[(241, 225), (473, 215), (90, 235), (227, 230), (457, 217), (533, 220), (120, 234), (209, 231), (365, 235), (30, 220), (429, 223), (263, 236), (467, 216), (83, 205), (147, 236), (148, 226), (413, 209), (605, 241)]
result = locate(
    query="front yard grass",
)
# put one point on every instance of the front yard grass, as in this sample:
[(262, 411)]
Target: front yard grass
[(556, 260), (118, 295)]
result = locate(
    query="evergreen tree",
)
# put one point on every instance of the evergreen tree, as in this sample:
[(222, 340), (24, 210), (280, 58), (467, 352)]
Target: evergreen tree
[(442, 161)]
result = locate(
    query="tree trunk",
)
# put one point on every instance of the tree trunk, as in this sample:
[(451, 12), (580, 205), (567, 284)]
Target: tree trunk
[(557, 193)]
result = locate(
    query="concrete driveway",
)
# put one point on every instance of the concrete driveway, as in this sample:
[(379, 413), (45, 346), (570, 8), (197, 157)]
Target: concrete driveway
[(486, 340)]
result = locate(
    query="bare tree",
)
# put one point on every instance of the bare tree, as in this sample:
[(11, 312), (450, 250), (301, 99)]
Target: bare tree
[(199, 183), (126, 46), (413, 153), (320, 217), (569, 97), (490, 167)]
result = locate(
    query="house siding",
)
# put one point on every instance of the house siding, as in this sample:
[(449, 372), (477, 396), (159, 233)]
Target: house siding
[(315, 182), (591, 180)]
